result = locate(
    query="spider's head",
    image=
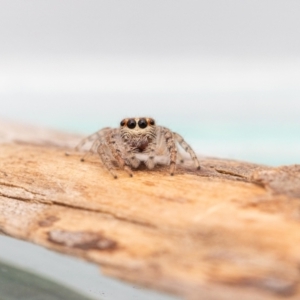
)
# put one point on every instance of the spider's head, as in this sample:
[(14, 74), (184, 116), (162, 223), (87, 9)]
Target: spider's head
[(138, 127)]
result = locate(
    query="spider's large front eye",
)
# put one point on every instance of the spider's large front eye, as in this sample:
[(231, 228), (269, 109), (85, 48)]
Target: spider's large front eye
[(131, 123), (143, 123), (122, 123)]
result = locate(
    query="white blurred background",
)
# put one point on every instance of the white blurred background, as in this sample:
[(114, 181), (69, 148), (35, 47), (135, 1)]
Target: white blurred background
[(224, 74)]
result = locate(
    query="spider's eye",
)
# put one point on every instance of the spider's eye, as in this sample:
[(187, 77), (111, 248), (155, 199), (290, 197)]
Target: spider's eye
[(152, 122), (131, 123), (143, 123), (122, 123)]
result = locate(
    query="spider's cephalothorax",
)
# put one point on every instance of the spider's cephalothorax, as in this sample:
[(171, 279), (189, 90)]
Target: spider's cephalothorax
[(137, 136), (138, 133)]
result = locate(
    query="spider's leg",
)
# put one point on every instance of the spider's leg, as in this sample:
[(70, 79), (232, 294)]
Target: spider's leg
[(83, 142), (168, 135), (92, 150), (106, 159), (187, 148), (116, 152), (86, 140), (180, 157), (96, 135)]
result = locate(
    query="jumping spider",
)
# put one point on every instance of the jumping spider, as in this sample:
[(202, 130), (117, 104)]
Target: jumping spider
[(134, 137)]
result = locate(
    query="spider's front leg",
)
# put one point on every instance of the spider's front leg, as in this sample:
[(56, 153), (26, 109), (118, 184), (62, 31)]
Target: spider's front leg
[(116, 152), (106, 159), (170, 141)]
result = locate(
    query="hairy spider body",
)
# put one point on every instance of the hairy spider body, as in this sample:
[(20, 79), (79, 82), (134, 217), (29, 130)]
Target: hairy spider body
[(136, 136)]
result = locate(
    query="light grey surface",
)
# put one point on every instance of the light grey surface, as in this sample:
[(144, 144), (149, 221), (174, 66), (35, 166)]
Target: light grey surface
[(18, 284), (76, 274), (168, 27)]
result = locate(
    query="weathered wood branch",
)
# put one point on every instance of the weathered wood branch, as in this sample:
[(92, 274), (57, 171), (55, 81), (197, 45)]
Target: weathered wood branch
[(227, 231)]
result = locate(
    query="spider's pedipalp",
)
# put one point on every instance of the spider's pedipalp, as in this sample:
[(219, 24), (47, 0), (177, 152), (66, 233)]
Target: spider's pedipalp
[(150, 163), (130, 156), (133, 161), (187, 148)]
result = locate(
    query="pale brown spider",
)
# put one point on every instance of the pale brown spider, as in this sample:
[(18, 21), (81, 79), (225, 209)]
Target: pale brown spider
[(135, 139)]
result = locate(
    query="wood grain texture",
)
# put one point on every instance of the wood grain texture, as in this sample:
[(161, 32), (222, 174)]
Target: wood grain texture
[(227, 231)]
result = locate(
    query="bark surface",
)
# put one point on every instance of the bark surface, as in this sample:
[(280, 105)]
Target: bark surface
[(228, 231)]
